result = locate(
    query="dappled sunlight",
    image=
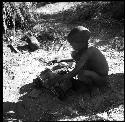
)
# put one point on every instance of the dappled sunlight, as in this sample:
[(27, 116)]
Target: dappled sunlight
[(55, 8), (115, 60), (20, 69)]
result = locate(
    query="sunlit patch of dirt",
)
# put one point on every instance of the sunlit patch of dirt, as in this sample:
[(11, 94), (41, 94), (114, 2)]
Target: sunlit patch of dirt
[(115, 114), (57, 7), (26, 67), (20, 69), (115, 60)]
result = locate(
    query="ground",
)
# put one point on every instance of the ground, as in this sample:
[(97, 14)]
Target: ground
[(29, 104)]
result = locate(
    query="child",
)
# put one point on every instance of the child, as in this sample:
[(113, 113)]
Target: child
[(91, 66)]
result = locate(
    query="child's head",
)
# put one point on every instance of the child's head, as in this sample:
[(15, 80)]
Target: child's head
[(78, 37)]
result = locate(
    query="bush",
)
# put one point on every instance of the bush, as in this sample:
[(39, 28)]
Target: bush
[(87, 11), (17, 15), (83, 12), (115, 10)]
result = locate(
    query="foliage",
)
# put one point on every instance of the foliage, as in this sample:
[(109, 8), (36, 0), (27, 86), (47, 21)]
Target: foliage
[(98, 16), (41, 4), (115, 10), (17, 15), (95, 10)]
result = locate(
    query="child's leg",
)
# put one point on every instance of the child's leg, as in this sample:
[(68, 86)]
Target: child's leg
[(91, 78), (77, 85)]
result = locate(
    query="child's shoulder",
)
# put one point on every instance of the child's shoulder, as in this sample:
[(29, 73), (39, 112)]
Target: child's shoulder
[(93, 50)]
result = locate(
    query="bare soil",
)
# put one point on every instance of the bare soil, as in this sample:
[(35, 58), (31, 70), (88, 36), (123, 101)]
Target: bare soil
[(21, 101)]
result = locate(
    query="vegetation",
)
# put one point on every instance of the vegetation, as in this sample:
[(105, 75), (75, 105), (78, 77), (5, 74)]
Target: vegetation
[(104, 19), (106, 23)]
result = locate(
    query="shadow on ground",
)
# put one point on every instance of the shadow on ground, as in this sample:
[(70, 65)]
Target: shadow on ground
[(42, 105)]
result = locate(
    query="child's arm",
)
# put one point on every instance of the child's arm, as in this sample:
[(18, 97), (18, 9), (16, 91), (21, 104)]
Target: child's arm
[(64, 60), (79, 65)]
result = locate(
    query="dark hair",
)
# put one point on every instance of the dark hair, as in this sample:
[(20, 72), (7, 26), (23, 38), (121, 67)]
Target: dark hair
[(79, 29)]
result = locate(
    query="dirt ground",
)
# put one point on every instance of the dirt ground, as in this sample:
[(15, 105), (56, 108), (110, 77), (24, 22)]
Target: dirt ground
[(21, 101), (30, 104)]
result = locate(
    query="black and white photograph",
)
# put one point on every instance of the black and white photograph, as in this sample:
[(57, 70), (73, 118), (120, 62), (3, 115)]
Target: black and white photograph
[(63, 61)]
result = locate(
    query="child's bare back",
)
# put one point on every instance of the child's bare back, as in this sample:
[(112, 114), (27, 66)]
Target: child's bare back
[(96, 61), (91, 65)]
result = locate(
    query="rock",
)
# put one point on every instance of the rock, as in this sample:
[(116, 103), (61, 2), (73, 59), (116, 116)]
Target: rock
[(33, 40), (33, 43)]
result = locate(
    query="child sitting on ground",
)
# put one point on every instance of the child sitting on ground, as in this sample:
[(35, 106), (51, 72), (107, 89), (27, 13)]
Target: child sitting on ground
[(91, 66)]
